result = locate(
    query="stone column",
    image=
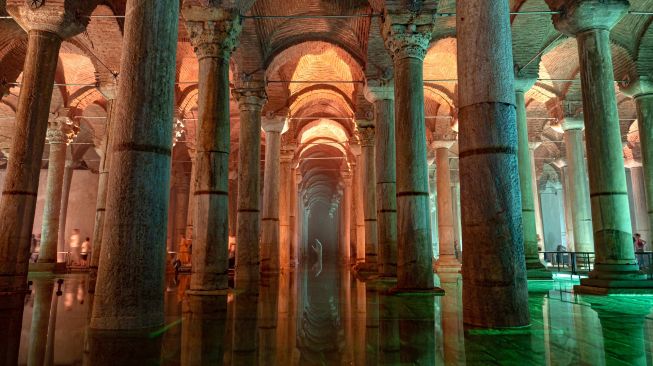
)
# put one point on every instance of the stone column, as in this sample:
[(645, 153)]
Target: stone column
[(191, 193), (59, 135), (345, 216), (493, 262), (407, 37), (535, 269), (615, 265), (358, 204), (642, 91), (433, 201), (639, 214), (579, 194), (213, 33), (270, 219), (293, 217), (46, 27), (287, 154), (381, 94), (251, 99), (65, 195), (368, 192), (128, 293), (447, 261), (532, 146)]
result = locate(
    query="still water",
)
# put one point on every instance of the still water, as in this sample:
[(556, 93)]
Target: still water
[(326, 318)]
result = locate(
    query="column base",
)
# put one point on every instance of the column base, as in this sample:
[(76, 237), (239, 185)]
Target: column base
[(535, 270), (595, 286), (434, 291), (447, 264)]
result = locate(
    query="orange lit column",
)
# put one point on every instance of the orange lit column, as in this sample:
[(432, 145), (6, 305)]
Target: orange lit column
[(285, 179), (447, 261)]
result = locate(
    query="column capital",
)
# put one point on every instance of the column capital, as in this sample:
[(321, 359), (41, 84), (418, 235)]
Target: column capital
[(287, 154), (533, 145), (65, 18), (524, 84), (631, 163), (572, 123), (108, 90), (366, 132), (442, 144), (272, 123), (407, 34), (251, 95), (642, 86), (213, 31), (577, 16), (379, 89), (61, 130), (355, 149)]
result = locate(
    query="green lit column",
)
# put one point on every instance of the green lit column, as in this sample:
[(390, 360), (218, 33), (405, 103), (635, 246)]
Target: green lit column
[(615, 267)]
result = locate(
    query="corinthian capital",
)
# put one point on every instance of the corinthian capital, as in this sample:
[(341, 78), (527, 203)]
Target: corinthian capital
[(61, 130), (407, 34), (213, 31), (65, 18), (251, 95)]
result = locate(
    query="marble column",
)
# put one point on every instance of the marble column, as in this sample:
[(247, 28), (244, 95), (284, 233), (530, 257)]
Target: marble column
[(38, 333), (213, 33), (615, 265), (407, 38), (579, 194), (59, 134), (293, 217), (191, 193), (381, 94), (345, 219), (433, 201), (270, 249), (532, 146), (18, 200), (358, 204), (368, 192), (128, 293), (493, 262), (251, 99), (641, 90), (68, 172), (535, 269), (639, 214), (447, 261), (285, 162), (103, 183)]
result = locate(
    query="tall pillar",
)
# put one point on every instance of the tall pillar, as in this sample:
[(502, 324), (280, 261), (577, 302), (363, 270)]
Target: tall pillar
[(615, 265), (368, 192), (345, 219), (581, 212), (358, 204), (433, 200), (287, 154), (642, 91), (493, 262), (532, 146), (381, 94), (639, 214), (407, 36), (46, 27), (535, 269), (251, 99), (59, 135), (270, 219), (191, 193), (135, 237), (65, 196), (447, 261), (293, 217), (213, 33)]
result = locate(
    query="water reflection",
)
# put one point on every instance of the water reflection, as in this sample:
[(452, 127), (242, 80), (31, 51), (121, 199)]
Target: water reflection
[(325, 318)]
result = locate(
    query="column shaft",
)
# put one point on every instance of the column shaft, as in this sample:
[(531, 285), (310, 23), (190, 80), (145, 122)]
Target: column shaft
[(128, 294), (581, 212), (644, 105), (270, 219), (368, 186), (447, 261), (50, 229), (18, 201), (345, 216), (63, 214), (284, 209), (493, 262)]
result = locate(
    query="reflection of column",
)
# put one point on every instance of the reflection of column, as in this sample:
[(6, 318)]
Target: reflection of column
[(381, 94), (534, 267), (368, 192), (284, 205), (245, 327), (203, 327), (38, 334), (417, 331), (452, 324), (270, 249), (579, 196), (493, 262), (623, 333), (52, 326), (615, 255), (447, 261), (251, 99), (213, 33), (361, 324), (18, 200), (58, 135), (137, 209), (371, 326), (407, 37), (389, 341), (639, 214), (345, 221), (268, 312)]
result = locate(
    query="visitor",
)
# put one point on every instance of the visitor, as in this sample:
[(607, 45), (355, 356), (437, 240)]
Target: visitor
[(73, 244), (640, 244), (184, 256), (85, 250), (560, 255)]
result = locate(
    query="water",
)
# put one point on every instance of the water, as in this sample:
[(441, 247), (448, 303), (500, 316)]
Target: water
[(328, 319)]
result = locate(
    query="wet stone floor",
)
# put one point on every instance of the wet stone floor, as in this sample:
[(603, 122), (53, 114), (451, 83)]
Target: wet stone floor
[(329, 318)]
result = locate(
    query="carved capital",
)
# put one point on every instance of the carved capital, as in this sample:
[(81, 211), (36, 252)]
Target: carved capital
[(379, 89), (213, 32), (273, 123), (251, 96), (66, 18), (642, 86), (61, 130), (407, 34), (577, 16)]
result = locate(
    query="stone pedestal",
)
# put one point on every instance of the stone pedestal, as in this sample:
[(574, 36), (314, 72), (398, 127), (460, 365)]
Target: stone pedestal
[(615, 267), (46, 26), (130, 283), (447, 261), (270, 262), (251, 99), (581, 212), (368, 192), (535, 269), (60, 133), (381, 94), (493, 260), (213, 33), (407, 37)]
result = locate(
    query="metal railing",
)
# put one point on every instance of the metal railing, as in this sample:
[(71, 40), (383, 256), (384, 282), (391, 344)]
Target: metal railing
[(574, 263), (645, 260)]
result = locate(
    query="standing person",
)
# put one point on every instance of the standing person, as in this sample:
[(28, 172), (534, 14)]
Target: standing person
[(74, 247), (640, 244), (86, 249)]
